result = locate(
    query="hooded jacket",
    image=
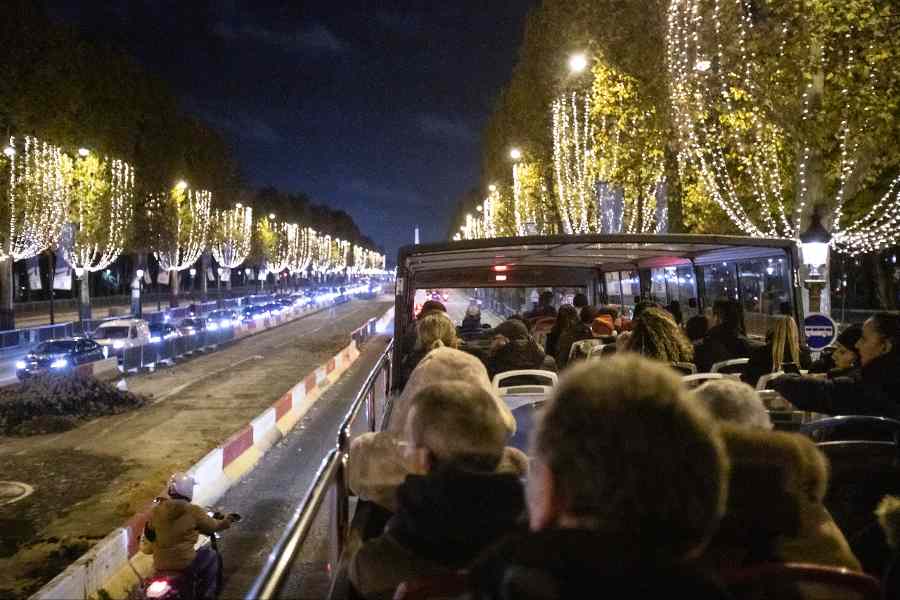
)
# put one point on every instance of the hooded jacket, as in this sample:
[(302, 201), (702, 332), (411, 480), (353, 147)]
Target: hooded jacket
[(559, 564), (171, 533), (876, 392), (720, 344), (444, 519), (520, 352), (776, 510)]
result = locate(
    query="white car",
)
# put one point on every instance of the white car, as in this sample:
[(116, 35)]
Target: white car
[(122, 333)]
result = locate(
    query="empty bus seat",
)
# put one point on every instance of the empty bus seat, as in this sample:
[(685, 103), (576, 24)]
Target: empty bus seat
[(521, 377), (685, 368), (439, 587), (730, 367), (800, 581), (697, 379)]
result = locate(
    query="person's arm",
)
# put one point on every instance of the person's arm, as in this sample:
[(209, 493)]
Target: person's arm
[(206, 524), (839, 396), (148, 539)]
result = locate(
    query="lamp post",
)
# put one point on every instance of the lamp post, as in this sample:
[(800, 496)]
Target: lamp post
[(193, 272), (136, 304), (815, 243)]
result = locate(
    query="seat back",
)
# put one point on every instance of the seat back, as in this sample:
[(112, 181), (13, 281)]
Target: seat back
[(685, 368), (734, 365), (800, 581), (582, 348), (438, 587), (696, 379), (763, 381), (854, 427), (499, 378), (516, 390)]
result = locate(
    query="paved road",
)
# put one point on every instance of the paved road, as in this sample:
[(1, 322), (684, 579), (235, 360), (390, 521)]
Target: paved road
[(91, 479), (459, 302)]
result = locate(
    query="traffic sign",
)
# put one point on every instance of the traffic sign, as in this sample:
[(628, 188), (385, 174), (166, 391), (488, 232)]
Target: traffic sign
[(820, 331)]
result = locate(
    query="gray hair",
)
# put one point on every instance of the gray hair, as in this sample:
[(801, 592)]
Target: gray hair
[(733, 401)]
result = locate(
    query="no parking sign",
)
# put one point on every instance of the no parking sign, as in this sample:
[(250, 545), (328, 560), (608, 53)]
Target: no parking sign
[(820, 331)]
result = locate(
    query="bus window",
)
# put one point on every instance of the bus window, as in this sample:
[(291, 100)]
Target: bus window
[(719, 282), (613, 289)]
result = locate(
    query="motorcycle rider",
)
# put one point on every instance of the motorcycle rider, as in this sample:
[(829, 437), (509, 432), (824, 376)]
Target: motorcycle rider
[(171, 534)]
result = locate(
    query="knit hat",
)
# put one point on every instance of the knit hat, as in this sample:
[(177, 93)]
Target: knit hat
[(512, 329), (848, 337)]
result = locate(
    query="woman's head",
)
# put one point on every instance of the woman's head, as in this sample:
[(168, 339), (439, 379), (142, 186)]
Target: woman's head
[(785, 342), (696, 327), (729, 315), (845, 355), (435, 331), (880, 335), (565, 317), (656, 335)]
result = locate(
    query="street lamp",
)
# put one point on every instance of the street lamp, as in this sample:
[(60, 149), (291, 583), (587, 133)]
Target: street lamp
[(479, 208), (83, 152), (515, 154), (9, 151), (272, 216), (492, 188), (815, 243), (578, 62), (703, 65), (136, 302), (181, 185)]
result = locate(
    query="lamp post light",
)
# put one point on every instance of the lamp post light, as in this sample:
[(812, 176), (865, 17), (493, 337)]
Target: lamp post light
[(193, 273), (492, 188), (83, 152), (515, 154), (181, 185), (578, 62), (814, 243), (136, 303)]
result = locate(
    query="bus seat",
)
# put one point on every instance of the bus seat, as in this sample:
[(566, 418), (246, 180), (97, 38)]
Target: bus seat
[(696, 379), (438, 587), (549, 376), (854, 427), (515, 390), (686, 368), (582, 348), (730, 367), (763, 381), (800, 581), (525, 414)]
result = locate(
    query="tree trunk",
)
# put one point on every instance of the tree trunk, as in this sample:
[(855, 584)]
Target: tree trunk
[(204, 278), (887, 291), (173, 289), (84, 296), (674, 193), (7, 288), (640, 210)]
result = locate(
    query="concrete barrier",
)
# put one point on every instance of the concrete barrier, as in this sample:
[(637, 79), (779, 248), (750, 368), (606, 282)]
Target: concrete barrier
[(114, 563)]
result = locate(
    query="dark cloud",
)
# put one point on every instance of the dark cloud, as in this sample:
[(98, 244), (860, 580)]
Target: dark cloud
[(446, 128), (314, 37), (244, 126), (384, 195)]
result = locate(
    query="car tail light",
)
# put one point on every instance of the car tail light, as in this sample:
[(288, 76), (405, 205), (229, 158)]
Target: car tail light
[(158, 588)]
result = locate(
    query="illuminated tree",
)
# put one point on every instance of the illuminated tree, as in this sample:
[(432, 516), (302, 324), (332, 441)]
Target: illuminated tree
[(232, 236), (32, 218), (180, 226), (303, 251), (100, 210)]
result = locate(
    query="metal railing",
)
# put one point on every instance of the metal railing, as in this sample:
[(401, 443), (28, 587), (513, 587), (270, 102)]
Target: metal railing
[(329, 485)]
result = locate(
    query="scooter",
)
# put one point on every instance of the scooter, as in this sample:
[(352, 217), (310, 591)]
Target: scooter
[(184, 585)]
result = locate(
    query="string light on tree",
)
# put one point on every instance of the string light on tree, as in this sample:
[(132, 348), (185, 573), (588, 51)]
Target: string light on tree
[(233, 234)]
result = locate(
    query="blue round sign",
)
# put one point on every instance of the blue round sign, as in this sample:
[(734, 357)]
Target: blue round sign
[(820, 331)]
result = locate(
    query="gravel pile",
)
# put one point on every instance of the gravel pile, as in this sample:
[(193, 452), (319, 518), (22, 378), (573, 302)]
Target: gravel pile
[(51, 404)]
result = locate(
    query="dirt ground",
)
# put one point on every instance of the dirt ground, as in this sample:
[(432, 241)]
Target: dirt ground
[(89, 480)]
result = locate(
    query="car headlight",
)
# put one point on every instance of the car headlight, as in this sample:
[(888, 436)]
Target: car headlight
[(212, 326), (59, 363), (118, 344), (155, 339), (20, 364)]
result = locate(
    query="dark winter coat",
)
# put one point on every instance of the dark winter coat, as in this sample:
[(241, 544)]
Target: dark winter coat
[(876, 393), (720, 344), (577, 332), (561, 564), (444, 519), (761, 363)]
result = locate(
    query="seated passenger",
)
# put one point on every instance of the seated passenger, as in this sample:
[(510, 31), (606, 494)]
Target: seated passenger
[(888, 513), (657, 336), (472, 321), (726, 339), (376, 467), (408, 342), (544, 308), (627, 484), (674, 309), (782, 352), (580, 300), (579, 330), (876, 392), (603, 325), (435, 330), (566, 317), (776, 510), (696, 328), (513, 349), (454, 503), (844, 359)]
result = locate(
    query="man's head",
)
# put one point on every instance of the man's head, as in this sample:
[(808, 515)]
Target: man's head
[(733, 401), (546, 298), (580, 300), (620, 449), (181, 486), (431, 306), (454, 423)]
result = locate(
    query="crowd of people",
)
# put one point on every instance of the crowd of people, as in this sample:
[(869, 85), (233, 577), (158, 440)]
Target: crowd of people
[(632, 483)]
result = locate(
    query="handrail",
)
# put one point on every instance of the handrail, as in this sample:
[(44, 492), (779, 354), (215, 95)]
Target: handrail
[(277, 567)]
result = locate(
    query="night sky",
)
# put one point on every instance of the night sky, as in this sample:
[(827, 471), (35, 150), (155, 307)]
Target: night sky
[(372, 107)]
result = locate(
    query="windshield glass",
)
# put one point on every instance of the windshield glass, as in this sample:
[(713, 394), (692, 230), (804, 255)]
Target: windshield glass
[(112, 332), (494, 304), (55, 347)]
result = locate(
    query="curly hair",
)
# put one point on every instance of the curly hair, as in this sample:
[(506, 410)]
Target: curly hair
[(435, 331), (656, 335)]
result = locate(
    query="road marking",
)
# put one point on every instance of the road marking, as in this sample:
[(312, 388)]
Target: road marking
[(180, 388)]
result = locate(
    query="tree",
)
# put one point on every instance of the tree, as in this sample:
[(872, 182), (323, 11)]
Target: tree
[(101, 199), (179, 221), (231, 237)]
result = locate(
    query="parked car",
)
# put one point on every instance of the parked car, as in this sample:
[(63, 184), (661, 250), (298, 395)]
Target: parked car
[(192, 326), (58, 356), (163, 331), (120, 334), (223, 317)]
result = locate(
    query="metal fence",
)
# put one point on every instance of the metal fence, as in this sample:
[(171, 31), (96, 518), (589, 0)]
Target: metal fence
[(167, 351)]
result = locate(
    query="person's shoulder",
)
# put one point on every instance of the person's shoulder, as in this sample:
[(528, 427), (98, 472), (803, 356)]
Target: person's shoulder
[(382, 563)]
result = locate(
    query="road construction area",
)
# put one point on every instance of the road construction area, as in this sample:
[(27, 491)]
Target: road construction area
[(92, 479)]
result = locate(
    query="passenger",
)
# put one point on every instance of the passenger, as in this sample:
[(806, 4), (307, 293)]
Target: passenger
[(566, 317), (674, 309), (726, 339), (409, 338), (696, 328), (657, 336), (544, 308), (472, 321), (733, 401), (171, 532), (844, 360), (580, 300), (888, 513), (435, 330), (876, 393), (454, 503), (580, 330), (627, 484), (513, 349), (782, 352), (603, 324), (376, 468)]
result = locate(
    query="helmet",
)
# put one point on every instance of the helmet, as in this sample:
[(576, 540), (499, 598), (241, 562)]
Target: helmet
[(182, 485)]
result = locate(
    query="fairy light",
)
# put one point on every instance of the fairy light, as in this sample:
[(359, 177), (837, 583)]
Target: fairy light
[(100, 212), (233, 236), (182, 228), (303, 250), (573, 132)]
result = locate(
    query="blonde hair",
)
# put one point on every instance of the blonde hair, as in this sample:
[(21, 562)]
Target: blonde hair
[(785, 341), (436, 331), (656, 335)]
